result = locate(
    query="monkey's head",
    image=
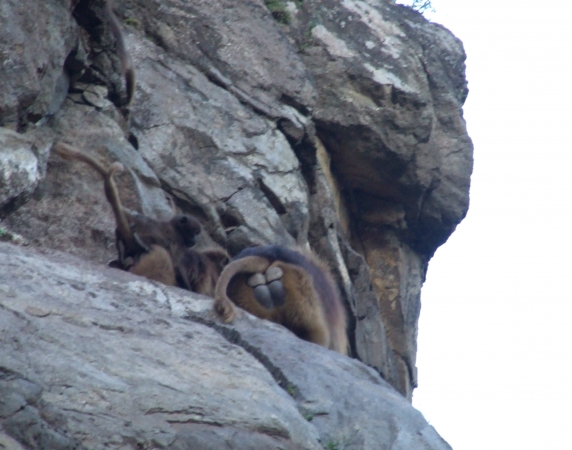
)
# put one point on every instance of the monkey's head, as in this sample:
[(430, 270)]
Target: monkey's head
[(187, 227)]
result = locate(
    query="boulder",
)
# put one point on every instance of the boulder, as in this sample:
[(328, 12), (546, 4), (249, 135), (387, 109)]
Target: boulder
[(95, 358)]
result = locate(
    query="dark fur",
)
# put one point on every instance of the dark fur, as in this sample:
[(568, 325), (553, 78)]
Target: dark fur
[(312, 308), (198, 271)]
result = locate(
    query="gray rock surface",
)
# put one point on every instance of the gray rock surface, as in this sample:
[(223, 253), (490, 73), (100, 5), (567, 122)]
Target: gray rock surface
[(22, 166), (92, 357), (218, 156), (337, 126), (33, 82)]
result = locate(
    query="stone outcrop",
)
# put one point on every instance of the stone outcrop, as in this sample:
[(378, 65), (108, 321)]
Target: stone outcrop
[(98, 358), (330, 124)]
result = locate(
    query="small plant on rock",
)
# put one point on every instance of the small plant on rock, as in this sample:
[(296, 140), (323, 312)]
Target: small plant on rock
[(279, 11), (421, 6), (133, 22), (291, 389), (333, 445)]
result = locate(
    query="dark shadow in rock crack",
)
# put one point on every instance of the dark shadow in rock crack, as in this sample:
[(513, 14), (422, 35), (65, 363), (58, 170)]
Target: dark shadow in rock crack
[(233, 336)]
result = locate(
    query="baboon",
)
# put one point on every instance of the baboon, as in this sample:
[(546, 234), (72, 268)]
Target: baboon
[(287, 287), (135, 233), (127, 68), (159, 250)]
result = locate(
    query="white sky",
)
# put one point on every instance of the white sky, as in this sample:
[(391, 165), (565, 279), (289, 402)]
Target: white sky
[(495, 338)]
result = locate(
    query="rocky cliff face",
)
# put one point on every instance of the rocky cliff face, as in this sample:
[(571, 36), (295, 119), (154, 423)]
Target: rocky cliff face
[(330, 124), (95, 358)]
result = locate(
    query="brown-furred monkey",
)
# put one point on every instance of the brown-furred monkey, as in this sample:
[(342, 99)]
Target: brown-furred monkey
[(288, 287), (158, 250)]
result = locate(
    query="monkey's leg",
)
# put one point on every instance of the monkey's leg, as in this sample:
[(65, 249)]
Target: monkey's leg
[(318, 333), (156, 265), (302, 311)]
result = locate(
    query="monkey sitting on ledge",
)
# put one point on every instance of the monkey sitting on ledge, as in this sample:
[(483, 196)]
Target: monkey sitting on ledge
[(285, 286), (158, 250)]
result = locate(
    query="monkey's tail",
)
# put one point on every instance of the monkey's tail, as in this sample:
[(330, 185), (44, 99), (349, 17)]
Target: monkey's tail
[(127, 68), (112, 195), (250, 264), (129, 82), (68, 152)]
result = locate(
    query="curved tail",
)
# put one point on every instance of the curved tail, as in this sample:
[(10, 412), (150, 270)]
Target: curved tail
[(112, 195), (68, 152), (129, 243), (250, 264), (127, 67)]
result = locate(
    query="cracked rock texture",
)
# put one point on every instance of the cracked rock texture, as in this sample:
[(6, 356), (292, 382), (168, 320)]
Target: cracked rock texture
[(98, 358), (336, 126)]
